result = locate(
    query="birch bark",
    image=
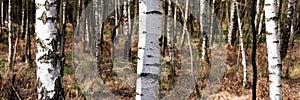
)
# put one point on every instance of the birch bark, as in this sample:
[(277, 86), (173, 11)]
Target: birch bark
[(148, 66), (274, 60), (47, 56)]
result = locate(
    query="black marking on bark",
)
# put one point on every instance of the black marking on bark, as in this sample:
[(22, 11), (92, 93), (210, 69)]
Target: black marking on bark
[(144, 32), (268, 33), (154, 12), (44, 18), (50, 70), (41, 44), (274, 57), (155, 65), (268, 4), (144, 74), (43, 58), (150, 56), (47, 4), (151, 42), (274, 18), (279, 86)]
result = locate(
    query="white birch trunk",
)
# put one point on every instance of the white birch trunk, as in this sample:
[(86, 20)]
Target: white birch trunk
[(10, 36), (242, 45), (116, 16), (175, 22), (148, 66), (96, 30), (184, 22), (169, 26), (232, 23), (257, 13), (204, 29), (212, 24), (48, 73), (22, 22), (274, 60), (2, 13), (126, 30), (1, 16)]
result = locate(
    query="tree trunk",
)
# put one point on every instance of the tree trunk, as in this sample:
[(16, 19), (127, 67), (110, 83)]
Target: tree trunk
[(10, 36), (1, 16), (175, 22), (169, 23), (257, 13), (212, 24), (287, 30), (148, 66), (47, 56), (254, 45), (288, 36), (242, 44), (184, 23), (127, 28), (231, 30), (96, 30), (63, 35), (204, 30), (274, 60)]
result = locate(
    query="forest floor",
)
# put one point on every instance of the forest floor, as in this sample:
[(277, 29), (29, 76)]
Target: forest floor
[(24, 86)]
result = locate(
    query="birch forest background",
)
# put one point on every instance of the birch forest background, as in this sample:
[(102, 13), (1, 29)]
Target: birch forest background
[(149, 49)]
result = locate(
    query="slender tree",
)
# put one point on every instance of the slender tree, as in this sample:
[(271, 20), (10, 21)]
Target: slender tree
[(287, 30), (185, 20), (148, 66), (204, 30), (288, 38), (232, 18), (274, 60), (1, 15), (27, 35), (63, 34), (241, 44), (169, 26), (127, 27), (47, 56), (10, 36), (254, 46)]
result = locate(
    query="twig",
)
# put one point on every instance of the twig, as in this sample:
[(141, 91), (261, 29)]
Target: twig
[(15, 91)]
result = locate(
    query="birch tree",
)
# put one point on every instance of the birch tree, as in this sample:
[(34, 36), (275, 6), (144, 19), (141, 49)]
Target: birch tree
[(287, 30), (96, 27), (204, 30), (184, 22), (10, 36), (232, 23), (148, 66), (274, 60), (47, 56), (127, 27), (169, 23), (1, 16), (290, 31), (242, 45)]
